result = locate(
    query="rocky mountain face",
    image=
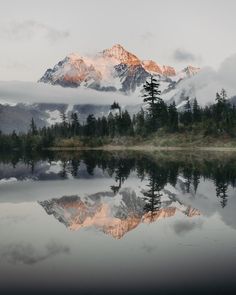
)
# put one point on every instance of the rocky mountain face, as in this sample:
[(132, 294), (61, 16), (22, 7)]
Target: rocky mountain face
[(18, 117), (114, 69), (112, 214)]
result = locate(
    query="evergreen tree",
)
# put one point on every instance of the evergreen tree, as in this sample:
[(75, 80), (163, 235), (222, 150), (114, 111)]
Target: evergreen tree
[(221, 112), (104, 126), (75, 124), (161, 114), (33, 128), (90, 128), (196, 111), (64, 125), (63, 118), (16, 141), (116, 106), (140, 123), (173, 117), (152, 97), (186, 117), (111, 125), (126, 127)]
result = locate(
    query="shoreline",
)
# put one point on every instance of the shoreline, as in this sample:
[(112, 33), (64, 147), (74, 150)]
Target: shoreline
[(145, 148)]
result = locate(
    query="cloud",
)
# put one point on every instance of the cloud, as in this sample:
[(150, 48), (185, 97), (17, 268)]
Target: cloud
[(183, 227), (182, 55), (28, 254), (12, 65), (31, 92), (147, 36), (30, 29), (227, 71), (207, 82)]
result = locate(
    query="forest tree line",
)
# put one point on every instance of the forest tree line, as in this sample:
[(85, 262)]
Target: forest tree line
[(216, 119)]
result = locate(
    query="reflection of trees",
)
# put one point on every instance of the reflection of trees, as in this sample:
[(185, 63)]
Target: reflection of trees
[(152, 196), (121, 173), (74, 166), (221, 185), (187, 173), (63, 169), (221, 193), (159, 170), (90, 161), (196, 179), (14, 160), (158, 177), (173, 173)]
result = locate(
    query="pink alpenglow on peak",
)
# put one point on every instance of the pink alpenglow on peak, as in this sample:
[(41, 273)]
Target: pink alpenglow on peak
[(121, 55), (113, 69)]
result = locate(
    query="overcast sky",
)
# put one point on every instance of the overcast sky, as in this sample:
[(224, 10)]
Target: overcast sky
[(34, 35)]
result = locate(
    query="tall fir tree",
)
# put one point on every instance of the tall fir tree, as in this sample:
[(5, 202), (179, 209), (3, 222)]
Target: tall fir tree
[(151, 95)]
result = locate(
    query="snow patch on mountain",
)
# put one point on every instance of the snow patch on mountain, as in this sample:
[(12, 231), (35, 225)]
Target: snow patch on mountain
[(114, 69), (54, 117)]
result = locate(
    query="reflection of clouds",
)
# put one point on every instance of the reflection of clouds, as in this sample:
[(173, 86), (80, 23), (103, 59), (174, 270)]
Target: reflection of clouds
[(28, 254), (183, 227), (149, 248)]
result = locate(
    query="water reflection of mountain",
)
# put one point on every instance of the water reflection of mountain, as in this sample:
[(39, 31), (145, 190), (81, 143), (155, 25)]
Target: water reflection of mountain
[(114, 214), (97, 164), (205, 181)]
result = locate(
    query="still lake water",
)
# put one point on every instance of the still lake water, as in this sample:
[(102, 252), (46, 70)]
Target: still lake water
[(118, 223)]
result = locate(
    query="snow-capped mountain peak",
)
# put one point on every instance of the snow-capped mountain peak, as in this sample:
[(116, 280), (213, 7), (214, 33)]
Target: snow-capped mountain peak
[(113, 69), (121, 55), (190, 70), (152, 67)]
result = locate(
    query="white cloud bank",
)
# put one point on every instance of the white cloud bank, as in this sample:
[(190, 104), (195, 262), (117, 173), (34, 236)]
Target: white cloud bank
[(12, 92), (207, 82)]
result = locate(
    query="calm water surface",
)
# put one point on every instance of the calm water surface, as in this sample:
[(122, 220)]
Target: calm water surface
[(118, 223)]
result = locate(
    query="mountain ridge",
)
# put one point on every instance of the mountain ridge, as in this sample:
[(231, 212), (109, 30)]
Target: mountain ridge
[(113, 69)]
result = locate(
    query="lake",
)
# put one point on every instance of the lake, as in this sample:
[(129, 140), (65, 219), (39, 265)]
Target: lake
[(96, 222)]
